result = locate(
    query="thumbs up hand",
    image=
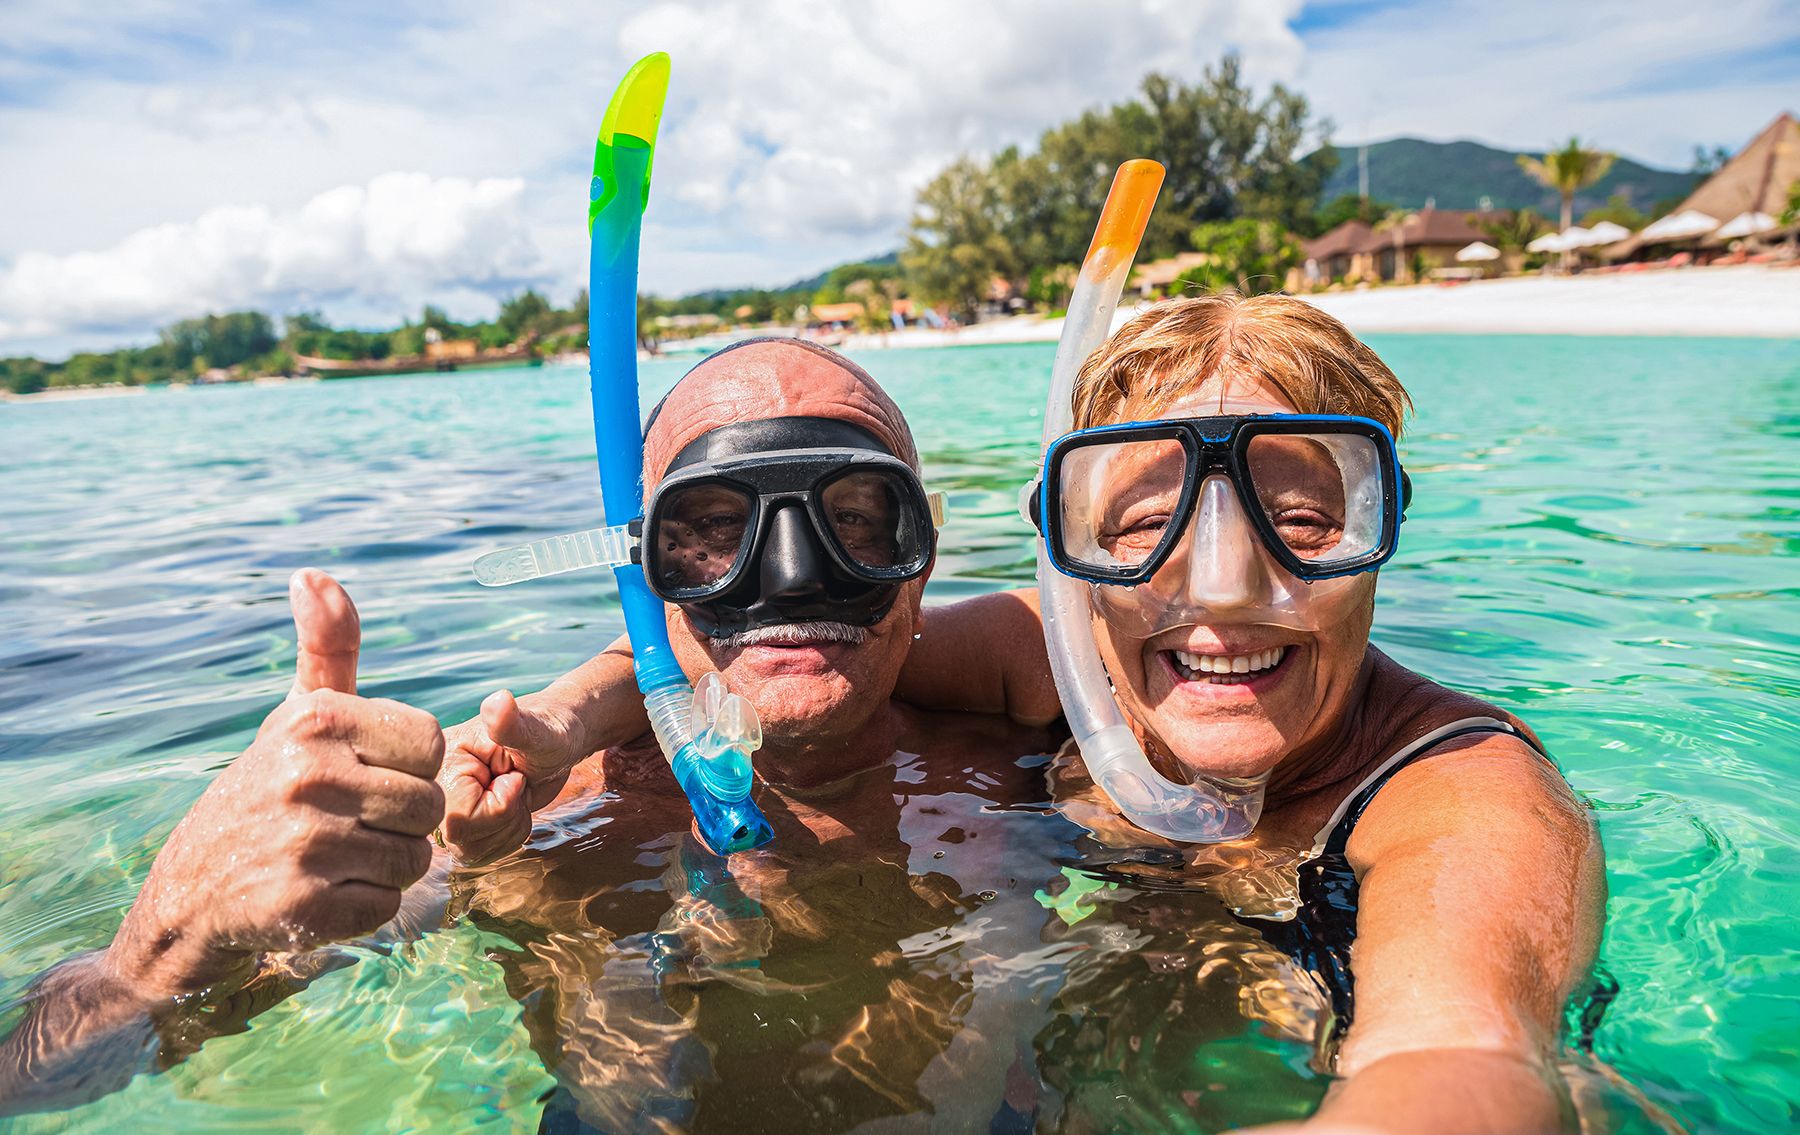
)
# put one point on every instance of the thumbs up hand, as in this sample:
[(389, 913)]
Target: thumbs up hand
[(308, 837)]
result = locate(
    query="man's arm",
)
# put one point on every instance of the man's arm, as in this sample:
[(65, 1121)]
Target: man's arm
[(983, 655), (310, 836), (1482, 900)]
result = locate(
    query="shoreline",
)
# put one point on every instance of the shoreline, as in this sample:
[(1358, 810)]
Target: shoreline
[(1736, 301), (79, 393)]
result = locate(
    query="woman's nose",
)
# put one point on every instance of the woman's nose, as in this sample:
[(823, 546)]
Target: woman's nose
[(1225, 565)]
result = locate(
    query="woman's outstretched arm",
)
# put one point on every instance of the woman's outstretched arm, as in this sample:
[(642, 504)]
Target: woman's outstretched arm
[(1483, 894)]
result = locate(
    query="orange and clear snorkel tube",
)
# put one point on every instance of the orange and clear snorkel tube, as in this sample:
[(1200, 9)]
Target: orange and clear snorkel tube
[(1209, 810)]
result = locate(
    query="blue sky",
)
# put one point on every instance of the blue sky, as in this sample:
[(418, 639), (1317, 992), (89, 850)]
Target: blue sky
[(164, 159)]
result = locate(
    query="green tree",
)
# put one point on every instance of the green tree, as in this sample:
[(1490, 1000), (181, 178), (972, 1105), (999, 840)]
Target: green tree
[(1568, 171), (407, 340), (1349, 207), (1231, 154), (219, 340), (1510, 232), (1251, 256), (302, 322), (956, 247), (1708, 162), (523, 314), (1050, 288), (24, 375), (841, 281)]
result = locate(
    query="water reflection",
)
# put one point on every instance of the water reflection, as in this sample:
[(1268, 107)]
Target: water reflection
[(144, 633), (905, 947)]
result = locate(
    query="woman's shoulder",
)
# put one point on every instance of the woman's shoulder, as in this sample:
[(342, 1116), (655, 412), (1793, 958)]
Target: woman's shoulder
[(1476, 782)]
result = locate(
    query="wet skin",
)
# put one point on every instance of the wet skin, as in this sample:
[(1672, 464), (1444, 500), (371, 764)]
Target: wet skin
[(776, 983), (1244, 727)]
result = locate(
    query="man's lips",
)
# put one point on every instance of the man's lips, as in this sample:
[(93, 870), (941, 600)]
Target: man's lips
[(796, 653)]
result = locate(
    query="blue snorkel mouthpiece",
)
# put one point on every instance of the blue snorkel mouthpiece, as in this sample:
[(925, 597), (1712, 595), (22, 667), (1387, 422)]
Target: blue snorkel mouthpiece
[(707, 734)]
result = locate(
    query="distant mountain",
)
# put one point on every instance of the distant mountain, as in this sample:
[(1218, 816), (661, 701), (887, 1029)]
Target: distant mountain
[(1457, 175), (814, 283)]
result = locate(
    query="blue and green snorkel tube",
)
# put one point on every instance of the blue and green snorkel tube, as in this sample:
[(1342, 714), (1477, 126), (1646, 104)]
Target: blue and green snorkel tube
[(708, 735)]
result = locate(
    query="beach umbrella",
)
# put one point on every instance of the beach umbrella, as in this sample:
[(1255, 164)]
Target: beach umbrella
[(1574, 237), (1745, 224), (1606, 233), (1680, 226), (1549, 242), (1480, 250)]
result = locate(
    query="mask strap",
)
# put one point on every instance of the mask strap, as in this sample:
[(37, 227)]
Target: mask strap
[(557, 555), (594, 548)]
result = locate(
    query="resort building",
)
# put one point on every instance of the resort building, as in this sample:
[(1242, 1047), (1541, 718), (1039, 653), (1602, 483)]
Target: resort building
[(1406, 251), (1329, 257), (1398, 251), (1154, 278), (439, 349), (834, 316)]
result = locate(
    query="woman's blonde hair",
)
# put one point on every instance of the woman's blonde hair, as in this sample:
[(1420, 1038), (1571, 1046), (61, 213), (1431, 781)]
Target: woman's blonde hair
[(1175, 347)]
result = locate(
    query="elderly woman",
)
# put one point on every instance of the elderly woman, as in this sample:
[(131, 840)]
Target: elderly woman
[(1444, 872)]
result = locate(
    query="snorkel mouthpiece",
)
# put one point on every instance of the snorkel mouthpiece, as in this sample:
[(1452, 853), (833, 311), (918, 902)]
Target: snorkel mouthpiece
[(707, 735), (1208, 810)]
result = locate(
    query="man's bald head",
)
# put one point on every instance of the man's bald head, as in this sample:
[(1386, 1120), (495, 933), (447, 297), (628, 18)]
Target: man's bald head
[(771, 378)]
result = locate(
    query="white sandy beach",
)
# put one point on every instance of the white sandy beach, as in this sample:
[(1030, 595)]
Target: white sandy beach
[(1741, 300)]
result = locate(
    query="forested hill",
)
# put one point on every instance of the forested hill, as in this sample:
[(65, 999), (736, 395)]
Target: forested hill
[(1408, 171)]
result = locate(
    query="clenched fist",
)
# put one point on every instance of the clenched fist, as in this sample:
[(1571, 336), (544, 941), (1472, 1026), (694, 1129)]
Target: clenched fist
[(308, 837), (502, 766)]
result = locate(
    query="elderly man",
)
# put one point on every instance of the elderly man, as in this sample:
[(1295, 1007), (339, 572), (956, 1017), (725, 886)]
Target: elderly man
[(818, 652), (314, 832), (845, 769)]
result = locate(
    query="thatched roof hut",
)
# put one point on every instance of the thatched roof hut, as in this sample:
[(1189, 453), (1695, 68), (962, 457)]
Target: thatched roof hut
[(1756, 180)]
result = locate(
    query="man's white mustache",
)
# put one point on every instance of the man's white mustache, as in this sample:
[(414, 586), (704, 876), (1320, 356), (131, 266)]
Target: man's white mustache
[(797, 634)]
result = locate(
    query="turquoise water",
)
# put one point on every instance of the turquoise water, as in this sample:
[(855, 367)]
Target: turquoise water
[(1604, 539)]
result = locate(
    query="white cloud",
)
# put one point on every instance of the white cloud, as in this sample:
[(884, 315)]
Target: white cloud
[(797, 133), (798, 119), (380, 246)]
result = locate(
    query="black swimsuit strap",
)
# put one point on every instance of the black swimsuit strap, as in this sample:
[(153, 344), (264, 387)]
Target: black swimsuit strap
[(1339, 838)]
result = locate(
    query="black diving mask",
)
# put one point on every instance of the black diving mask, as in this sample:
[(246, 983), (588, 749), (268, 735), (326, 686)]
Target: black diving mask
[(762, 523), (786, 520)]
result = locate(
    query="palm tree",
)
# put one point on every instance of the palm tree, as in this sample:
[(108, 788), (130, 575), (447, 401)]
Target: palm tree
[(1791, 215), (1568, 171)]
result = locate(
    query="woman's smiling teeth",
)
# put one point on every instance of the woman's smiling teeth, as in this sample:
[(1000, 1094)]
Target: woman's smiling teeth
[(1226, 668)]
